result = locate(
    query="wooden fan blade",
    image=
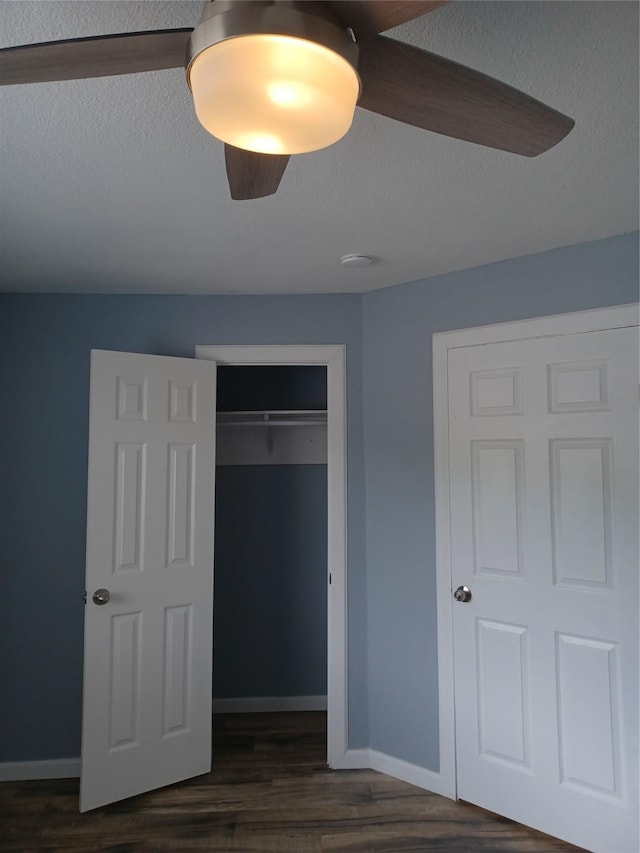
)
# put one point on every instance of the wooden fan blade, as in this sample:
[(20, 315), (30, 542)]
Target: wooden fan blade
[(367, 17), (98, 56), (253, 175), (434, 93)]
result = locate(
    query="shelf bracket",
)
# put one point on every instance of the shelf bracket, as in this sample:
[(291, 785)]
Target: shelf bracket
[(269, 434)]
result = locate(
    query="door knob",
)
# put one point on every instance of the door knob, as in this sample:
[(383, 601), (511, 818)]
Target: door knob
[(463, 594), (101, 596)]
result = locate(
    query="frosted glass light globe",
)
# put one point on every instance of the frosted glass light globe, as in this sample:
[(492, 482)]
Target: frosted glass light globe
[(274, 94)]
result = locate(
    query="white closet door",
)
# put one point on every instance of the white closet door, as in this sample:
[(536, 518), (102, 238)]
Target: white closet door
[(148, 648), (544, 511)]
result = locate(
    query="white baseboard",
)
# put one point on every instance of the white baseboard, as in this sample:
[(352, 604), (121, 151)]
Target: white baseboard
[(258, 704), (353, 759), (360, 759), (57, 768), (407, 772)]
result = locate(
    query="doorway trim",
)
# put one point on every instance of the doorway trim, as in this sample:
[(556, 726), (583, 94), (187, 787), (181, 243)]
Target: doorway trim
[(598, 319), (333, 357)]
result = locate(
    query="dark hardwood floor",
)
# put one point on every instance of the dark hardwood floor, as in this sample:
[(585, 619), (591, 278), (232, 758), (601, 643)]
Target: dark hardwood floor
[(270, 790)]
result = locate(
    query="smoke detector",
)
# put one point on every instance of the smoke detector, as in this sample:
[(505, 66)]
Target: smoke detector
[(353, 261)]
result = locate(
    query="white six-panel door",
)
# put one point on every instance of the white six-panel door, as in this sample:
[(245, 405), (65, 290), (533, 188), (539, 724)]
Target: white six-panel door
[(148, 649), (544, 531)]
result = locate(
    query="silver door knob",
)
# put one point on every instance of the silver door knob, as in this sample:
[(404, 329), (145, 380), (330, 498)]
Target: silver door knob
[(463, 593), (101, 596)]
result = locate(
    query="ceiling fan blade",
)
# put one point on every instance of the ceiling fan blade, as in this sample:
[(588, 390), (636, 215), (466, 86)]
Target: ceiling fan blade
[(428, 91), (367, 17), (253, 175), (98, 56)]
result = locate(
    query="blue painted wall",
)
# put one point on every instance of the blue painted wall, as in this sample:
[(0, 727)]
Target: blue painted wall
[(44, 380), (44, 376), (270, 627), (401, 574), (252, 388)]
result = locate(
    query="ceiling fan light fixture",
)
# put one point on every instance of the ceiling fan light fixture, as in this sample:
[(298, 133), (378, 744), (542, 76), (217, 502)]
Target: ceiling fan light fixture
[(275, 80)]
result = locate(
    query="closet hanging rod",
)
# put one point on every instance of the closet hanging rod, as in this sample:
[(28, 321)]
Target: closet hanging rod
[(270, 418)]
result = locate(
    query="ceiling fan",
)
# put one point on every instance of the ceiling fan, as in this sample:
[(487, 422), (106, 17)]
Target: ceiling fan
[(273, 78)]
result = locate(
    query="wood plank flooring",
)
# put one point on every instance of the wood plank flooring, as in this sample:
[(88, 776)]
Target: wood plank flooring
[(269, 791)]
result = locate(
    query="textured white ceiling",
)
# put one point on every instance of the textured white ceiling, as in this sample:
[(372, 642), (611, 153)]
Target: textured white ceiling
[(111, 185)]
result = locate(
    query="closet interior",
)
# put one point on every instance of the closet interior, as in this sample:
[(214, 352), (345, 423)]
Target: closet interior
[(270, 597)]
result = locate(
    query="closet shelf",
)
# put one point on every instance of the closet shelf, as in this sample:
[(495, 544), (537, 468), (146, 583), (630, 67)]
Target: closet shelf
[(271, 418)]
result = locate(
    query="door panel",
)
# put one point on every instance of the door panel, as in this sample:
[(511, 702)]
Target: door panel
[(497, 496), (581, 489), (148, 650), (502, 668), (544, 509), (588, 678)]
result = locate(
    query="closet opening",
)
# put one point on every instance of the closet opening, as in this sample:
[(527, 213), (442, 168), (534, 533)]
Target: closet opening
[(271, 551)]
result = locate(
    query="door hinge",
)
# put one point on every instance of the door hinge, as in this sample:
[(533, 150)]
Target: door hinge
[(329, 578), (85, 596)]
